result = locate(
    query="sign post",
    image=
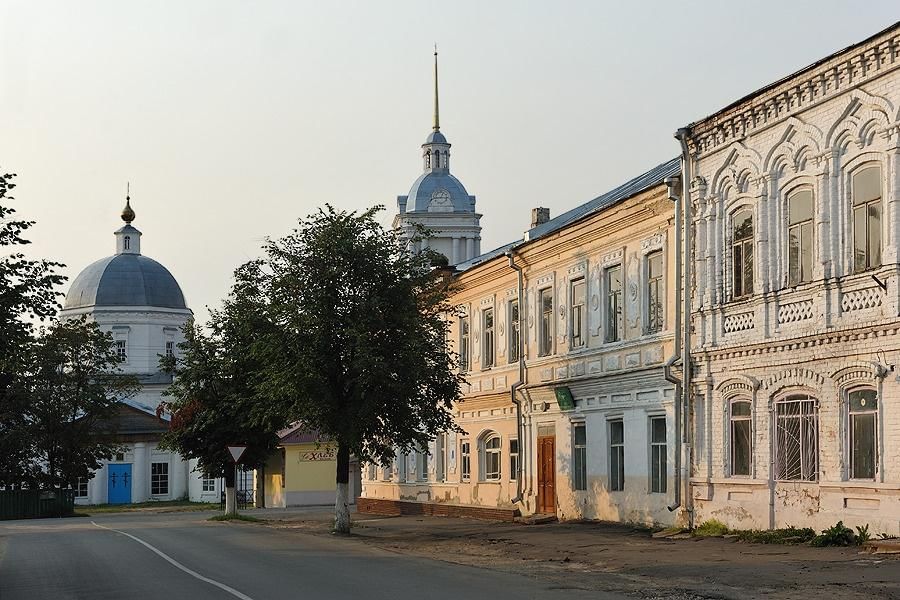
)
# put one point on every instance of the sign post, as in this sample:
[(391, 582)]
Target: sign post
[(237, 452)]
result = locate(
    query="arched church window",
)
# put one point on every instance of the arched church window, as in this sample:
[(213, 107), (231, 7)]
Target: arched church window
[(127, 243), (428, 160), (437, 159)]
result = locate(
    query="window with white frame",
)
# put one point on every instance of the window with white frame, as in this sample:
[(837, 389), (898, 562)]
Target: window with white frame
[(464, 344), (615, 309), (740, 437), (207, 483), (487, 338), (513, 459), (654, 292), (81, 487), (490, 457), (578, 314), (658, 455), (866, 195), (422, 465), (465, 460), (159, 478), (863, 431), (545, 343), (742, 254), (579, 456), (800, 236), (402, 464), (440, 457), (513, 350), (797, 438), (616, 456), (122, 350)]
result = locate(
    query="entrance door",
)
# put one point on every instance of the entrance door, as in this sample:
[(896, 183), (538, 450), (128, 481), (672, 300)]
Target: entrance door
[(547, 475), (119, 484)]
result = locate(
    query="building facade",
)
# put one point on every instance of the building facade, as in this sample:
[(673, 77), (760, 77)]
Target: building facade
[(795, 278), (140, 303), (567, 410)]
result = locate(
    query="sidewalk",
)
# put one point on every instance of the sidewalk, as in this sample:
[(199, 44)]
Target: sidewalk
[(618, 558)]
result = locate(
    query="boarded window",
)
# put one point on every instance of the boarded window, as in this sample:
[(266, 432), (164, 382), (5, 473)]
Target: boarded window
[(863, 433), (797, 439), (740, 438), (616, 456), (579, 456)]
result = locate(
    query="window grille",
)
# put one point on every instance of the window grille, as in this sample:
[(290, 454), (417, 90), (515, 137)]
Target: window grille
[(797, 439)]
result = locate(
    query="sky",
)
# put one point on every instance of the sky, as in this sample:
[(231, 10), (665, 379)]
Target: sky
[(232, 119)]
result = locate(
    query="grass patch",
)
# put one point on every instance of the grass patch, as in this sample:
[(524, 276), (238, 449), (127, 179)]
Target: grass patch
[(169, 505), (711, 528), (237, 517), (788, 535)]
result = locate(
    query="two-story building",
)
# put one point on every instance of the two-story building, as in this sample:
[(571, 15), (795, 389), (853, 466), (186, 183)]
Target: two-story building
[(795, 293), (563, 336)]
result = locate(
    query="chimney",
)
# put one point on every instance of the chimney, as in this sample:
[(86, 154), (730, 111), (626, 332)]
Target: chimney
[(539, 216)]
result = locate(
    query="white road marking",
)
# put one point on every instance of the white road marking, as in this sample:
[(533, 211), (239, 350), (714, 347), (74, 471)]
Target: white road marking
[(177, 564)]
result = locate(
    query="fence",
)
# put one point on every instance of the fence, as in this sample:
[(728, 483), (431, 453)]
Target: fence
[(34, 504)]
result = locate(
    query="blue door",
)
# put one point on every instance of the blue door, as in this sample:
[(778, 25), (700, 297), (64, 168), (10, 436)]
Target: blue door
[(119, 478)]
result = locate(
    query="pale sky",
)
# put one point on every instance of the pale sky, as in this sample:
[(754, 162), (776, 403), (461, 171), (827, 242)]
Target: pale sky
[(233, 119)]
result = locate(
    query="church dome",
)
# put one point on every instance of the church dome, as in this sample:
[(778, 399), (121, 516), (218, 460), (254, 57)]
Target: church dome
[(439, 191), (436, 137), (125, 280)]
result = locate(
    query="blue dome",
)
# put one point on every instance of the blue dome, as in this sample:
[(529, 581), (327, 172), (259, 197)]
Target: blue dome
[(424, 190), (435, 137), (125, 280)]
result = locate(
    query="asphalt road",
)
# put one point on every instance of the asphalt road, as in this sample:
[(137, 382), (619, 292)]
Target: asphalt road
[(177, 556)]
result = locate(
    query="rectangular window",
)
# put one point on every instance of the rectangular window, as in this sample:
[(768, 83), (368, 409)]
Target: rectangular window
[(402, 466), (385, 472), (654, 292), (615, 314), (487, 326), (577, 314), (465, 459), (122, 350), (742, 254), (867, 218), (170, 349), (207, 483), (513, 459), (159, 479), (658, 455), (740, 438), (797, 439), (422, 465), (514, 331), (863, 434), (545, 348), (81, 487), (440, 458), (800, 237), (491, 463), (579, 456), (464, 344), (372, 471), (616, 456)]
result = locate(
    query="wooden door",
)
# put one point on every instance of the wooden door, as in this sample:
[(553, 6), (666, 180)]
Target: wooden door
[(547, 475)]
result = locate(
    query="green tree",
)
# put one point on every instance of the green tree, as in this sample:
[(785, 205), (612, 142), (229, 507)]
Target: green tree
[(73, 384), (355, 342), (28, 294), (213, 399)]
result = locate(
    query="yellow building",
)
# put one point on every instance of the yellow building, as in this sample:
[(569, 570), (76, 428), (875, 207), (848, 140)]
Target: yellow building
[(564, 337), (302, 473)]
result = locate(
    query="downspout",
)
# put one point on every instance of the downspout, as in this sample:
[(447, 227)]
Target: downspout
[(675, 196), (513, 389), (686, 385)]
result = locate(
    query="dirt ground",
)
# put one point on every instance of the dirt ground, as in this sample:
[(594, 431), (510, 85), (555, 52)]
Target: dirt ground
[(617, 558)]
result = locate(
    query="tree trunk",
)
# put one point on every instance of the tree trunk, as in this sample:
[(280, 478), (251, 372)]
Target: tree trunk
[(342, 500), (230, 496)]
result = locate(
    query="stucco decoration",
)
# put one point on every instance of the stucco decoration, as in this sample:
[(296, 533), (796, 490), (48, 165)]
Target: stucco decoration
[(862, 115), (858, 372), (440, 201), (795, 377)]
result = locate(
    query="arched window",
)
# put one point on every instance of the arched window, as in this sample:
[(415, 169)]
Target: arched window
[(866, 195), (490, 457), (126, 243), (740, 437), (437, 159), (800, 236), (742, 253), (797, 438), (862, 429), (428, 159)]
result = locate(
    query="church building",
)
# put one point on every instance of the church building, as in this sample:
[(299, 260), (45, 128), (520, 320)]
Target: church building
[(140, 303)]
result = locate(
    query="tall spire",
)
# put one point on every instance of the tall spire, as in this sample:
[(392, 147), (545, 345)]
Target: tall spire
[(437, 118)]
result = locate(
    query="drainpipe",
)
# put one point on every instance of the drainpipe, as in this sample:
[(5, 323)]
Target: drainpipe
[(675, 196), (513, 389), (682, 136)]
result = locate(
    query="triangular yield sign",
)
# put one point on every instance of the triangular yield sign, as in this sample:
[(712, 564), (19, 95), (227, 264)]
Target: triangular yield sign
[(236, 452)]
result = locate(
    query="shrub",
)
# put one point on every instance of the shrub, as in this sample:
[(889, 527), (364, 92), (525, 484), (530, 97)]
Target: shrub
[(788, 535), (862, 534), (711, 528), (836, 535)]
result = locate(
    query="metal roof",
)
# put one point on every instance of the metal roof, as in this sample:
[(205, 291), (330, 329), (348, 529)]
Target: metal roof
[(125, 280), (651, 178)]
